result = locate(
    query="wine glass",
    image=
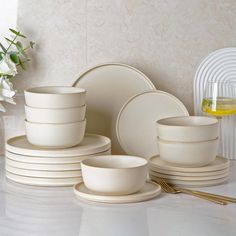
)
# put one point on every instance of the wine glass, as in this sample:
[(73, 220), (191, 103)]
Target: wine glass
[(219, 100)]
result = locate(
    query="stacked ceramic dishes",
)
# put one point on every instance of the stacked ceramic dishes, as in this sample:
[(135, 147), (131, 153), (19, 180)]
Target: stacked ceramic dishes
[(55, 142), (55, 116), (188, 152)]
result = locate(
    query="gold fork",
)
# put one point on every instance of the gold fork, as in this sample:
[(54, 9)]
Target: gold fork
[(222, 197), (169, 189)]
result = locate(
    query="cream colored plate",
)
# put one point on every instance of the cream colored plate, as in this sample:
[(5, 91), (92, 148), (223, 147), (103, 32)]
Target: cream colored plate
[(220, 163), (51, 160), (189, 174), (91, 144), (47, 167), (188, 178), (49, 182), (44, 174), (195, 183), (150, 190), (108, 87), (136, 122)]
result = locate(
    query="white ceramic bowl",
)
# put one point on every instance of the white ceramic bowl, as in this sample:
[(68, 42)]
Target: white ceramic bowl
[(194, 154), (188, 128), (55, 116), (114, 175), (55, 97), (55, 135)]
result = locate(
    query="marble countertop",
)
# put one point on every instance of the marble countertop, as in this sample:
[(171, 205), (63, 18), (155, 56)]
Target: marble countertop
[(27, 210)]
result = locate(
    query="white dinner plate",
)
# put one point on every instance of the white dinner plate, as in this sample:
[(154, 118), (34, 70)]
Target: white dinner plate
[(108, 87), (136, 122), (91, 144), (51, 160), (189, 174), (220, 163), (44, 174), (150, 190), (47, 182), (194, 183), (188, 178), (47, 167)]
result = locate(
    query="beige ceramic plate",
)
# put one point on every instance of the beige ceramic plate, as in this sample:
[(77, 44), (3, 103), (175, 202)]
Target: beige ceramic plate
[(91, 144), (195, 183), (51, 160), (150, 190), (188, 174), (136, 122), (188, 178), (44, 174), (108, 87), (49, 182), (47, 167), (220, 163)]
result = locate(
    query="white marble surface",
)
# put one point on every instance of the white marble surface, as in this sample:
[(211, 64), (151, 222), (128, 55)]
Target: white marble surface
[(35, 211)]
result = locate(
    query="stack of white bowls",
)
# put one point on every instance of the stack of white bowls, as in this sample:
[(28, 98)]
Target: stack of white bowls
[(55, 116), (187, 144), (55, 142)]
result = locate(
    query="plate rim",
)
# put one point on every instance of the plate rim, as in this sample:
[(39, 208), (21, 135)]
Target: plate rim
[(117, 199)]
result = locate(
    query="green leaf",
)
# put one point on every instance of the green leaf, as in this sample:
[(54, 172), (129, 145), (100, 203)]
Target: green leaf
[(14, 57), (3, 48), (18, 33), (9, 40), (19, 47), (32, 44), (1, 56)]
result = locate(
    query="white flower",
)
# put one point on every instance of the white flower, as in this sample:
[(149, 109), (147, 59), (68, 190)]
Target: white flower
[(6, 92), (7, 67)]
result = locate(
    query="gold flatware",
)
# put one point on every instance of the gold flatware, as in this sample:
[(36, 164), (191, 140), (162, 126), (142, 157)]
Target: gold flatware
[(170, 189)]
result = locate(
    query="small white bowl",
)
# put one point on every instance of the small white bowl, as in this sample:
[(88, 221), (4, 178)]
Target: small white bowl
[(55, 97), (184, 154), (188, 128), (55, 135), (55, 116), (114, 175)]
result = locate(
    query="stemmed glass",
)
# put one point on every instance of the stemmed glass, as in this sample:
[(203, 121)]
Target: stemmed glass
[(219, 100)]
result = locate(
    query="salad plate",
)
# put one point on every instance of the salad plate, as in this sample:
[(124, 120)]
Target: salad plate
[(108, 87), (220, 163), (136, 122), (149, 191), (91, 144), (44, 174), (47, 182), (51, 160)]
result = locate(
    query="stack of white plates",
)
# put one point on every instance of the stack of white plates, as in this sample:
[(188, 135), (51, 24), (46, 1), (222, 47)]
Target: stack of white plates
[(29, 164), (215, 173)]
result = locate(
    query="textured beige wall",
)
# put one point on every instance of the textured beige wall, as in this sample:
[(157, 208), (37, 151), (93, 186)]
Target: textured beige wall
[(166, 39)]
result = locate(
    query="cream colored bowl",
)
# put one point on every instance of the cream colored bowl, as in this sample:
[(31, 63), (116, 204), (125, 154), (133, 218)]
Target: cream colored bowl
[(195, 154), (187, 128), (55, 135), (55, 116), (114, 175), (55, 97)]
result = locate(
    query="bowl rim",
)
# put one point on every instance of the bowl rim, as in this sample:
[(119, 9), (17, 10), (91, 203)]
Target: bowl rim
[(214, 122), (109, 157), (159, 140), (56, 124), (70, 90), (55, 109)]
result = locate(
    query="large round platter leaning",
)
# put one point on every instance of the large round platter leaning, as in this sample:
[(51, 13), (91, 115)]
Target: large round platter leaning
[(136, 122), (108, 87)]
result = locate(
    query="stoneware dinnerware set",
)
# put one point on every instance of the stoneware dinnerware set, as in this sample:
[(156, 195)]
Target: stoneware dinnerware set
[(55, 143), (153, 128)]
